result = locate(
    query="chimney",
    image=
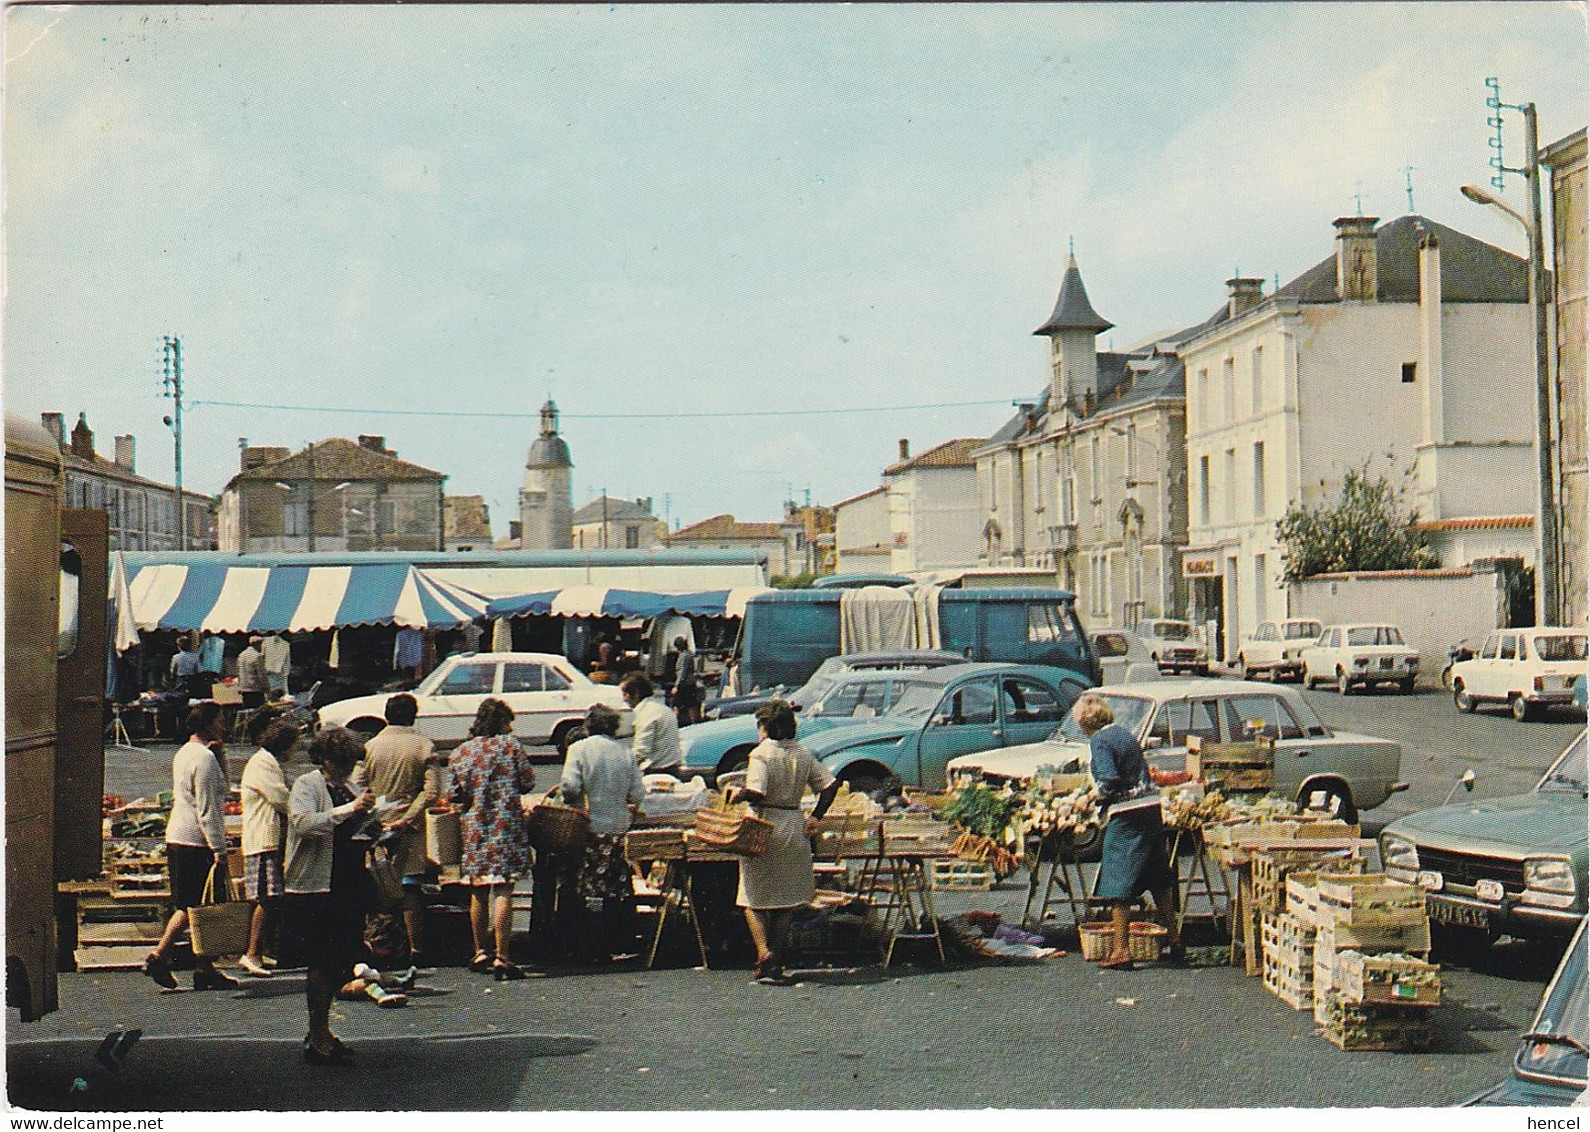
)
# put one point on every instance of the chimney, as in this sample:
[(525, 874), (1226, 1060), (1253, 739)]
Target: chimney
[(255, 456), (127, 451), (374, 443), (1357, 276), (644, 504), (82, 438), (55, 425), (1242, 295), (1432, 358), (905, 449)]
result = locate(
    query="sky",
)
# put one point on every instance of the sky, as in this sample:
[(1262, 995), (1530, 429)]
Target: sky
[(746, 249)]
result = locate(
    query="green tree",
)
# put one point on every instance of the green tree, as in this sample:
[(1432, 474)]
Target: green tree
[(1368, 528)]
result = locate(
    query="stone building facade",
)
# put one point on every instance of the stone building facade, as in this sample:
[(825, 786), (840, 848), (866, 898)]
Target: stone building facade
[(1565, 160)]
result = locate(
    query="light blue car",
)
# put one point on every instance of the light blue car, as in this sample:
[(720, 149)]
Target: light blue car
[(719, 746), (944, 713)]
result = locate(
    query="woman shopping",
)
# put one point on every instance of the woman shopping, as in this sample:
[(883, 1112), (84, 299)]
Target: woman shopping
[(601, 773), (1134, 858), (780, 880), (328, 886), (490, 778)]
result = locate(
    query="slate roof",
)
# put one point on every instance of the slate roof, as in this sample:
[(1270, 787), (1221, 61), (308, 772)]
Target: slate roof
[(958, 453), (339, 459), (617, 509), (1072, 311), (1472, 271), (725, 526)]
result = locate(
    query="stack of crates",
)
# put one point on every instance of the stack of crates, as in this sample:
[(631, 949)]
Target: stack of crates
[(1373, 988), (1286, 940)]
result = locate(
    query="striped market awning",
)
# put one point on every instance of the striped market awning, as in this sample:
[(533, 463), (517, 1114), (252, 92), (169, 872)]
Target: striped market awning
[(223, 598), (604, 601)]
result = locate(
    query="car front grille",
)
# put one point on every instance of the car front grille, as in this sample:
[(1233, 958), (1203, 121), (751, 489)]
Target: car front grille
[(1465, 868)]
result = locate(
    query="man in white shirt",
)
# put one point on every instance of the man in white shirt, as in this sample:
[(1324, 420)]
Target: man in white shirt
[(195, 841), (251, 674), (656, 742)]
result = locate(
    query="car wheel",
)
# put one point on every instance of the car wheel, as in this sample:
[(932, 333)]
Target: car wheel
[(1461, 698), (1089, 846), (1344, 683), (1405, 685), (866, 779), (1467, 947), (1446, 677), (1521, 708), (1201, 670), (736, 758), (560, 738), (1333, 799), (366, 726)]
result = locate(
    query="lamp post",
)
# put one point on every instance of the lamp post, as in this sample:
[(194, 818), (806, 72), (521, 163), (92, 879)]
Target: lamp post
[(1548, 599), (311, 498)]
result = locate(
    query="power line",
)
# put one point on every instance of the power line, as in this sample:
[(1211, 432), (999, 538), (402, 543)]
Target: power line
[(374, 411)]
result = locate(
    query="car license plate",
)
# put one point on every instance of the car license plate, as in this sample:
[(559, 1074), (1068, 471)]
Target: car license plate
[(1488, 890), (1430, 881), (1386, 662), (1444, 911)]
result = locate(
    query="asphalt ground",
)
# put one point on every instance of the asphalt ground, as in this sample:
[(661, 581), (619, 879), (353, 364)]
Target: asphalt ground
[(1053, 1034)]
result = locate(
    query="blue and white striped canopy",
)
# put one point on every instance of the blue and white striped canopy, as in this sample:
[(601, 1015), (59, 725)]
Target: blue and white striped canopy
[(225, 598), (604, 601)]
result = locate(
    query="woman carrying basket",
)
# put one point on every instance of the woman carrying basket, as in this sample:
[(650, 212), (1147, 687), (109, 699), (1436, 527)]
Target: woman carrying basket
[(780, 880), (491, 775), (1133, 859)]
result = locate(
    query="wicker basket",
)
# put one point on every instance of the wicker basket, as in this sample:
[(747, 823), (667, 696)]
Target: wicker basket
[(1098, 939), (1145, 941), (558, 829), (732, 831)]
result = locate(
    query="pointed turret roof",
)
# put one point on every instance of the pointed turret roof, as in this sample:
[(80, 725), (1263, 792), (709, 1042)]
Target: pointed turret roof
[(1072, 311)]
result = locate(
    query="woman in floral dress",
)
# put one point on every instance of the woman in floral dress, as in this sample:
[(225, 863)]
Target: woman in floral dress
[(490, 778)]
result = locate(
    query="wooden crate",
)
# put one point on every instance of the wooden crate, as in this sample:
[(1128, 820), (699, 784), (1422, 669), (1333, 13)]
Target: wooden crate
[(1291, 987), (1351, 1027), (1272, 866), (1239, 767), (1302, 886), (642, 845), (1369, 902), (1288, 963), (955, 875), (1387, 980)]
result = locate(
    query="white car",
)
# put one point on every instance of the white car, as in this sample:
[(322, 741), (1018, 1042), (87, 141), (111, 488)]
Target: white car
[(1174, 645), (1123, 655), (1331, 770), (1526, 669), (1350, 656), (1277, 647), (547, 693)]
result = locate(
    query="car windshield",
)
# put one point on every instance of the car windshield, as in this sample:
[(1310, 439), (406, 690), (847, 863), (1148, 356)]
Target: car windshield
[(427, 686), (812, 691), (1129, 712), (1555, 1046), (1302, 630), (1170, 630), (853, 699), (1567, 647), (1374, 635), (1569, 771)]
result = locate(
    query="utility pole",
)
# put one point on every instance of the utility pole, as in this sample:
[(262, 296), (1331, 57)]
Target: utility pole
[(309, 508), (604, 518), (171, 379), (1550, 598)]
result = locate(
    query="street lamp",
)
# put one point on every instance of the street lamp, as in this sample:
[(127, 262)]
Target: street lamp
[(311, 498), (1548, 602)]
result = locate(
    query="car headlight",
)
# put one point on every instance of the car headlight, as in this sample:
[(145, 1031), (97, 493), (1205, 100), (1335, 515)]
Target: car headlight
[(1399, 854), (1360, 662), (1549, 874)]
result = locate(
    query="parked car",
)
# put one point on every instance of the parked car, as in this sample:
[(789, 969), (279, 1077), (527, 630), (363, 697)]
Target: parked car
[(547, 693), (1123, 655), (1352, 656), (1514, 864), (1455, 653), (1335, 771), (899, 660), (1526, 669), (944, 713), (721, 746), (1549, 1066), (1175, 645), (1277, 647)]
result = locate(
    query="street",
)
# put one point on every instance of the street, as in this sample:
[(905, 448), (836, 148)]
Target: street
[(1060, 1033)]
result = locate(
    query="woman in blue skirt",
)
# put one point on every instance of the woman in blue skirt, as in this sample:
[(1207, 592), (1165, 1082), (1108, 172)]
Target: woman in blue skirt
[(1134, 858)]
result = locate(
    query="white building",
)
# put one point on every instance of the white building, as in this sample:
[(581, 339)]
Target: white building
[(618, 524), (935, 522), (862, 544), (1409, 351)]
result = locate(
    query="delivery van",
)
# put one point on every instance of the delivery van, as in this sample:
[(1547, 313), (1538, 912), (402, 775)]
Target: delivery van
[(786, 634)]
